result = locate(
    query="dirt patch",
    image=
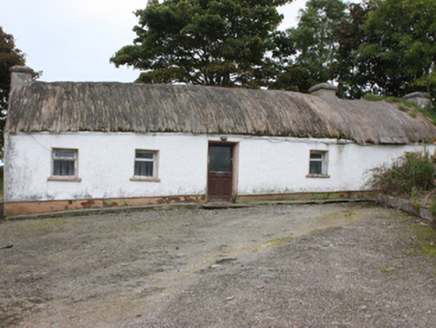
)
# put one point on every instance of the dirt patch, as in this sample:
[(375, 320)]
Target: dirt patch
[(260, 266)]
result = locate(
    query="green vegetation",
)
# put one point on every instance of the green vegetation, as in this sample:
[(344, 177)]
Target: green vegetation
[(387, 47), (408, 176), (390, 99), (318, 196), (372, 46), (406, 106), (206, 42), (10, 56), (38, 227), (425, 236), (413, 114)]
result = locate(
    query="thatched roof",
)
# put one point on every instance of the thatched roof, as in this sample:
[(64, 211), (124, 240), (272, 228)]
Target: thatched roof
[(69, 106)]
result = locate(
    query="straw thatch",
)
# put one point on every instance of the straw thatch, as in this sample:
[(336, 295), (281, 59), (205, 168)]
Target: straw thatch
[(117, 107)]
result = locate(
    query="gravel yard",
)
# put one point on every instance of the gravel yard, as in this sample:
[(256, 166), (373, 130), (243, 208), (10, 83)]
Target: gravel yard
[(334, 265)]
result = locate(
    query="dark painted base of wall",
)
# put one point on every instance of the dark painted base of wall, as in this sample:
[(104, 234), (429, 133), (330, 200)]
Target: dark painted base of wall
[(309, 196), (18, 208), (24, 208)]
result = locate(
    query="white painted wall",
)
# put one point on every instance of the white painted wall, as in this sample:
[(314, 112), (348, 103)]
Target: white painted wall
[(106, 160), (280, 165)]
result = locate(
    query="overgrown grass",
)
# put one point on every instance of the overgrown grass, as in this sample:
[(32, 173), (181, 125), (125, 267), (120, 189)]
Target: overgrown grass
[(390, 99), (406, 106), (408, 176)]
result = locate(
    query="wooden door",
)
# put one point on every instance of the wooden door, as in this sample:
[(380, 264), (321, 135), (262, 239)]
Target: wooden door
[(220, 176)]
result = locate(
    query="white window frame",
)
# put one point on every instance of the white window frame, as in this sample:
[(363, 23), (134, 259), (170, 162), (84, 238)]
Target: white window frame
[(324, 163), (154, 160), (55, 157)]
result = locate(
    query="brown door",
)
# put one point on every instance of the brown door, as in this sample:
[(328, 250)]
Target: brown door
[(220, 177)]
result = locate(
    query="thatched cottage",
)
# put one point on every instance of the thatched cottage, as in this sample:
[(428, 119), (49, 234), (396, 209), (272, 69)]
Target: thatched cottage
[(82, 145)]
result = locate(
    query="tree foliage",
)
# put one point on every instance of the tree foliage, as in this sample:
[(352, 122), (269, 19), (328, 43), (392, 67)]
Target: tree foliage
[(349, 72), (314, 45), (388, 47), (207, 42), (9, 56)]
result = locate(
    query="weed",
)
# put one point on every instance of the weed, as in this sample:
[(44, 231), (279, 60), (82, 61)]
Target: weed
[(409, 175), (433, 208)]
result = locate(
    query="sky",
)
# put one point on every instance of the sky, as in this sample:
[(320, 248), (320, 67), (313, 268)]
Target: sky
[(72, 40)]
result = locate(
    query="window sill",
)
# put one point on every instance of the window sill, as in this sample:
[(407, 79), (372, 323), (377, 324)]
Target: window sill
[(72, 179), (319, 176), (145, 179)]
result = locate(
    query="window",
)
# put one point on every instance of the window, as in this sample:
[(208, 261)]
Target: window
[(146, 165), (318, 164), (64, 165)]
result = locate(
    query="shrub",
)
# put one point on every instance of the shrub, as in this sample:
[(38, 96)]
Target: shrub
[(433, 208), (410, 174)]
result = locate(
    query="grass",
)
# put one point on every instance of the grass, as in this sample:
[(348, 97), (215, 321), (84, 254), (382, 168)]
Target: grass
[(426, 237), (406, 106)]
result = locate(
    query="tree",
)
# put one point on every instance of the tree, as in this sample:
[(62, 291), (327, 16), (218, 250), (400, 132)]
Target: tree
[(314, 44), (9, 56), (391, 47), (211, 42), (350, 73)]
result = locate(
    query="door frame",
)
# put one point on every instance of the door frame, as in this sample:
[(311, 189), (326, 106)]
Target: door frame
[(234, 146)]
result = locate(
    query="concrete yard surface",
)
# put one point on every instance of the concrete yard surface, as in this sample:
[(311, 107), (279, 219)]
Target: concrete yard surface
[(331, 265)]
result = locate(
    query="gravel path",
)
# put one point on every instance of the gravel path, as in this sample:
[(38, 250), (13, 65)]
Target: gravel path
[(337, 265)]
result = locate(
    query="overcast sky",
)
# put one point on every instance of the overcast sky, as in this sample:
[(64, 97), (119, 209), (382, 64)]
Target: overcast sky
[(72, 40)]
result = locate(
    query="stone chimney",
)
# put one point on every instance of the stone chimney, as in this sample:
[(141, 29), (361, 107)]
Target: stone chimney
[(325, 90), (21, 75), (422, 99)]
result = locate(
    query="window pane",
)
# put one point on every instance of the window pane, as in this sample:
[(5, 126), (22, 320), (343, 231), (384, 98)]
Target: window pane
[(316, 155), (220, 158), (63, 168), (315, 167), (143, 154), (65, 154), (144, 169)]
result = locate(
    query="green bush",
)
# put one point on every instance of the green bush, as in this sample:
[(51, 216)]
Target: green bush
[(433, 208), (412, 173)]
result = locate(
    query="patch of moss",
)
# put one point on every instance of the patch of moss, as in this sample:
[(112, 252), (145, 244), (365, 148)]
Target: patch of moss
[(389, 270), (318, 196), (426, 237), (124, 202), (275, 243), (405, 106), (335, 195), (36, 227)]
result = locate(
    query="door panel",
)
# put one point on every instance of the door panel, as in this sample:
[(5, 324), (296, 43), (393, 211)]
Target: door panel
[(220, 175)]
